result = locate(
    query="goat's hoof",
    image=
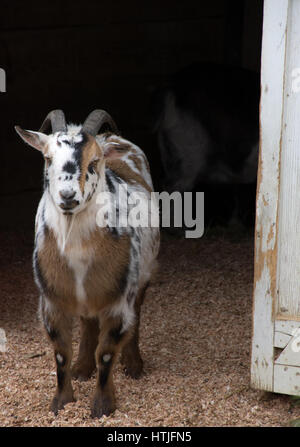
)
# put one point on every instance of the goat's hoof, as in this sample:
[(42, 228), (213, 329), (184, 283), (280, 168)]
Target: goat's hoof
[(82, 373), (134, 371), (133, 368), (59, 402), (102, 407)]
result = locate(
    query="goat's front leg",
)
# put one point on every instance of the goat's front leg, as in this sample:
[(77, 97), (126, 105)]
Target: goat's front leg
[(85, 364), (59, 330), (111, 340)]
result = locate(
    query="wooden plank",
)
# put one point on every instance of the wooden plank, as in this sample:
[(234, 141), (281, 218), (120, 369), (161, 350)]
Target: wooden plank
[(265, 285), (281, 340), (290, 356), (289, 222), (262, 341), (287, 380), (287, 327), (286, 318)]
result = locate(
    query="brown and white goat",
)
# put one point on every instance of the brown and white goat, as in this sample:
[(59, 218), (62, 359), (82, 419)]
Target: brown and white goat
[(82, 268)]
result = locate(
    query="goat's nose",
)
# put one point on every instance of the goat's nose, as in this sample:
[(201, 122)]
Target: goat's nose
[(67, 194)]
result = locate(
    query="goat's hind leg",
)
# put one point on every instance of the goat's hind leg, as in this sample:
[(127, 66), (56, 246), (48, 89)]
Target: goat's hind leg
[(59, 330), (85, 363), (131, 357)]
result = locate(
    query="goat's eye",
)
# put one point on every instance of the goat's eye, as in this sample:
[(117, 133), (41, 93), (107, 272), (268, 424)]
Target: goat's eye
[(92, 166)]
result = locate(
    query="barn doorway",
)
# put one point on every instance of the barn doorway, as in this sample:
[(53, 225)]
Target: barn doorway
[(196, 322), (115, 58)]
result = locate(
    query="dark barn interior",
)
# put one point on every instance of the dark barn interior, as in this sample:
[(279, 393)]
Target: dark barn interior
[(115, 55), (110, 55)]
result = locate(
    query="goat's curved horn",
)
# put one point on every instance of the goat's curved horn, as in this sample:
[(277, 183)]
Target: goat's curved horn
[(55, 119), (96, 120)]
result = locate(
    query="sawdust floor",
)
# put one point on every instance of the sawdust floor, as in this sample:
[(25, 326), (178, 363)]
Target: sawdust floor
[(195, 341)]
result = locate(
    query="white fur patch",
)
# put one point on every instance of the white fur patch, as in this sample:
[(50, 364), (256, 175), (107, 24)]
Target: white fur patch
[(80, 268), (124, 310), (69, 234), (59, 358), (106, 358)]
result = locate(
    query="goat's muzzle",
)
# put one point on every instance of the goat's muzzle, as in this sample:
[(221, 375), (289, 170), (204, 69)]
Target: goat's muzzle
[(68, 202), (68, 205)]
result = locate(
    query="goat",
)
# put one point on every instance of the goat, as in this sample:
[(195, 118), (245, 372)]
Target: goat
[(83, 269), (207, 128)]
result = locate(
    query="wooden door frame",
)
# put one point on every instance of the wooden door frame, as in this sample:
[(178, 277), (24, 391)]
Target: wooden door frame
[(275, 357), (268, 188)]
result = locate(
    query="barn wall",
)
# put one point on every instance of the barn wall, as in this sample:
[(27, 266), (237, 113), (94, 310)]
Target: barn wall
[(110, 55), (252, 34)]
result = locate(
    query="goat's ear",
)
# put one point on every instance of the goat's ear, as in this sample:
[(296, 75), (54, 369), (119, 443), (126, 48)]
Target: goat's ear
[(37, 140)]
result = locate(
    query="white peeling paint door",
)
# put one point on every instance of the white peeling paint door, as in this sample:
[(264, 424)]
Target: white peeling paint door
[(275, 362)]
